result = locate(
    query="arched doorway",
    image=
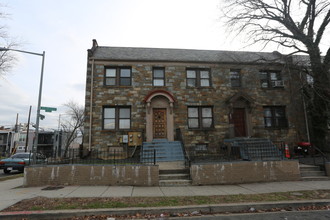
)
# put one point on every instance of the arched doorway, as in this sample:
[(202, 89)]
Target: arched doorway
[(159, 117)]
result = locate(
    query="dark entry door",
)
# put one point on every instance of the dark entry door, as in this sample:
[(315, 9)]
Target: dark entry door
[(238, 119), (159, 123)]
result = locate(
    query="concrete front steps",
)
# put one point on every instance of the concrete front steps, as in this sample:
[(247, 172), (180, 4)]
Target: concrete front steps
[(165, 150), (173, 173), (310, 172), (174, 177)]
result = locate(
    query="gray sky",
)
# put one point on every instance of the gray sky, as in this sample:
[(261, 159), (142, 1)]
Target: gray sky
[(64, 29)]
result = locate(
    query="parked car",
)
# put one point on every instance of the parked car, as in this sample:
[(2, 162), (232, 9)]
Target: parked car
[(19, 161)]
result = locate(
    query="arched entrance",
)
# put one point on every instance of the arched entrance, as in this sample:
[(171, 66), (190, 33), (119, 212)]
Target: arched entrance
[(159, 117)]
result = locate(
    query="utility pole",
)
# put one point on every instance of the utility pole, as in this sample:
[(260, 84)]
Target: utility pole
[(27, 131)]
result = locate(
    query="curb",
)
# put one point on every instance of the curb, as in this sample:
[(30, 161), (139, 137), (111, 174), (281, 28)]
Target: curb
[(209, 209)]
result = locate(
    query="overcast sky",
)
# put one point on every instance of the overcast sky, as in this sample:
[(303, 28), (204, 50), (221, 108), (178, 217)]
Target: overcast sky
[(64, 29)]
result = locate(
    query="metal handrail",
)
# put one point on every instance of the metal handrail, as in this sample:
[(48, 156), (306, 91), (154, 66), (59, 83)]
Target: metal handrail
[(324, 156), (180, 138)]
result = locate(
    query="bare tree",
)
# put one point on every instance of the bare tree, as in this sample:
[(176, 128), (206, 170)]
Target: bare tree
[(7, 59), (72, 125), (298, 25)]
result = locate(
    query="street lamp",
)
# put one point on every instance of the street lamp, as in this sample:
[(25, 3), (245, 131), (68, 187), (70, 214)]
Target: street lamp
[(35, 145)]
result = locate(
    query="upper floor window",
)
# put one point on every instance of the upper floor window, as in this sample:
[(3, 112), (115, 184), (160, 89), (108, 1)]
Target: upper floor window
[(200, 117), (274, 117), (115, 118), (118, 76), (235, 78), (198, 78), (270, 79), (158, 76), (22, 137)]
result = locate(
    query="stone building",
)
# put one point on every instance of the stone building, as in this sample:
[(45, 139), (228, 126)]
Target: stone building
[(204, 96)]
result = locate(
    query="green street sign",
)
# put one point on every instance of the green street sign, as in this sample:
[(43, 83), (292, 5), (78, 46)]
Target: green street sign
[(48, 109)]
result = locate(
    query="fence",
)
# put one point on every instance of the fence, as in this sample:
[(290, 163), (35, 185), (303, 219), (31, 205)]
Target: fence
[(116, 157), (259, 150)]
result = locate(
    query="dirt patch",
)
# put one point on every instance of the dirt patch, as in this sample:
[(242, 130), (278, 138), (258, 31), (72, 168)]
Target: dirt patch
[(43, 203)]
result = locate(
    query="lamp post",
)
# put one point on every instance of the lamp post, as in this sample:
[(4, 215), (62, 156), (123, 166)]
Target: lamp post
[(35, 145)]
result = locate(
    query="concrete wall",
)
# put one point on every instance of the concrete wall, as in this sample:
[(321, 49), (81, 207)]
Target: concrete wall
[(91, 175), (327, 168), (245, 172)]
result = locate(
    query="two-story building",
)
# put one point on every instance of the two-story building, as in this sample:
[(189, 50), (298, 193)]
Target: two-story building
[(205, 95)]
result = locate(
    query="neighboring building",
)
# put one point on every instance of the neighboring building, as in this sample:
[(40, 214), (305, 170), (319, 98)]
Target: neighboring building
[(5, 141), (50, 143), (206, 95)]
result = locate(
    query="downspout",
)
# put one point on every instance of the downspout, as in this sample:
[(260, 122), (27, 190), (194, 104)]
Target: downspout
[(305, 113), (90, 109)]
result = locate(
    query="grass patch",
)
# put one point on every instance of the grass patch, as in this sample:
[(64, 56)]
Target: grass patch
[(42, 203)]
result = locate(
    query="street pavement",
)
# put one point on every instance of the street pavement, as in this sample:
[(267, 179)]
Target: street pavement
[(11, 191)]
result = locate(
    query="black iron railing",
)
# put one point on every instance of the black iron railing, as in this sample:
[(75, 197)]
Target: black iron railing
[(94, 157), (236, 150), (179, 137)]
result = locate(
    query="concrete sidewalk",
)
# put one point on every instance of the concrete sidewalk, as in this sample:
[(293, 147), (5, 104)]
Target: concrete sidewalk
[(11, 191)]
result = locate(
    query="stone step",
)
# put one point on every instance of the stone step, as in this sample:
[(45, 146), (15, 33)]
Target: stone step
[(174, 182), (312, 173), (178, 176), (314, 178), (174, 171), (304, 167), (164, 150), (167, 166)]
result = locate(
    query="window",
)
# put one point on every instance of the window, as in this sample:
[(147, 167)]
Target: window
[(22, 137), (115, 118), (270, 79), (198, 78), (118, 76), (201, 147), (274, 117), (159, 76), (200, 117), (235, 78)]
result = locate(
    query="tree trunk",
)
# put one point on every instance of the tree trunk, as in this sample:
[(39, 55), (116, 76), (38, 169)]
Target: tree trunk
[(321, 96)]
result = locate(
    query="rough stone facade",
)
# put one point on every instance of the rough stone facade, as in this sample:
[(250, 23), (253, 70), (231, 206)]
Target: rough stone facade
[(220, 95)]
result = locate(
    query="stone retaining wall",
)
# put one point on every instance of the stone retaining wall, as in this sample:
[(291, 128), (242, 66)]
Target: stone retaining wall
[(245, 172), (91, 175)]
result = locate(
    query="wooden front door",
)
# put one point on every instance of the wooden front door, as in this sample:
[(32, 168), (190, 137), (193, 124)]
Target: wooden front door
[(159, 123), (238, 119)]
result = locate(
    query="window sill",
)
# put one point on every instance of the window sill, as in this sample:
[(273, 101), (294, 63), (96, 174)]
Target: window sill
[(201, 129), (121, 87), (276, 128), (115, 130), (273, 88), (199, 87)]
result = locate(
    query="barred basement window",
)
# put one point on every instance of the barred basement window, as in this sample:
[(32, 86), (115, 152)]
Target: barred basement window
[(201, 147)]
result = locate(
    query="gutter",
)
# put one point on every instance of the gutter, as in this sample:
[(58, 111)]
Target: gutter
[(91, 108)]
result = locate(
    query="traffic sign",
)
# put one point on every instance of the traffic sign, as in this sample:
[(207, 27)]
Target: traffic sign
[(48, 109)]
